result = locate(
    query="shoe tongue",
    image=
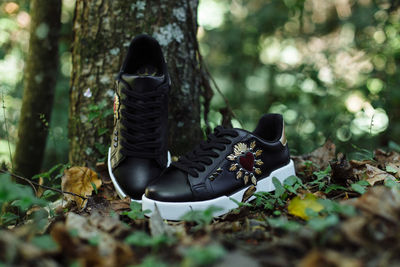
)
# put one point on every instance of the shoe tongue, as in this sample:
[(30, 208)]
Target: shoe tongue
[(141, 83)]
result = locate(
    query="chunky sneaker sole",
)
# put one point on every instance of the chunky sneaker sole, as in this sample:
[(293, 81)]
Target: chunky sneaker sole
[(220, 170), (119, 190), (175, 210)]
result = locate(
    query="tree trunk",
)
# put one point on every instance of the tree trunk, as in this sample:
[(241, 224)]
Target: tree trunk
[(103, 30), (40, 81)]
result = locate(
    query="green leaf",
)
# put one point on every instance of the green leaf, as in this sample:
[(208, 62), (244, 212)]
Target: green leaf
[(94, 187), (142, 239), (45, 242), (391, 169), (240, 204), (358, 188), (391, 183), (334, 187), (279, 189), (136, 211), (94, 240), (284, 223), (201, 217), (321, 223), (102, 131), (203, 256), (394, 146)]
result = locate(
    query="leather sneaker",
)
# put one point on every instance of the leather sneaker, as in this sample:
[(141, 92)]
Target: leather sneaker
[(221, 168), (138, 152)]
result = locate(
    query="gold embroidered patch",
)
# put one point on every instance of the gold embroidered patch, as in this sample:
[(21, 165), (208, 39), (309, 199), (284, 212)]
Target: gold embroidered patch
[(244, 161)]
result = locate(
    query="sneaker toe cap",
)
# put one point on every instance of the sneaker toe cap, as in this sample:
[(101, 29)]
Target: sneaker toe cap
[(133, 177), (172, 186)]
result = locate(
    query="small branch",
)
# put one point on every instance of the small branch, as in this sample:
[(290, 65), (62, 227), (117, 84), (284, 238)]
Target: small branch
[(43, 186)]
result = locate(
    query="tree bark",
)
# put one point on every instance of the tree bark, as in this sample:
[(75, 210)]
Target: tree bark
[(103, 30), (39, 87)]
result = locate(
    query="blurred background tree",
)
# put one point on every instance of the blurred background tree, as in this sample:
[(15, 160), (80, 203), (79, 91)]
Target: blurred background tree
[(40, 76), (330, 67)]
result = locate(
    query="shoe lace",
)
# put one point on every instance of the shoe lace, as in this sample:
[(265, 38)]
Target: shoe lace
[(142, 120), (198, 158)]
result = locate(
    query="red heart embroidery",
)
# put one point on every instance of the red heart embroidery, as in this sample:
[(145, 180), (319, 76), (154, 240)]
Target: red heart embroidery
[(247, 161)]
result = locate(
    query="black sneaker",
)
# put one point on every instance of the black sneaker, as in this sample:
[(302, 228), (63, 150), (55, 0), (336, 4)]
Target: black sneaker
[(138, 152), (223, 167)]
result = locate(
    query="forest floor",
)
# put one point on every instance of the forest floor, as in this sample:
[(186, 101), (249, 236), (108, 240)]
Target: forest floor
[(336, 212)]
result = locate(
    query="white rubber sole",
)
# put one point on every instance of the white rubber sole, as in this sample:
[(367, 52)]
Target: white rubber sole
[(175, 210), (119, 190)]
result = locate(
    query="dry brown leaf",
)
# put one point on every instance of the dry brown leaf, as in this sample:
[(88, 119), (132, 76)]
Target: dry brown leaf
[(120, 204), (107, 252), (372, 174), (381, 201), (353, 229), (320, 157), (318, 258), (384, 157), (81, 181)]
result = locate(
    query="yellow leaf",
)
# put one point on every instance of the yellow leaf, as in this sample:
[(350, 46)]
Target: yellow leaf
[(81, 181), (298, 205)]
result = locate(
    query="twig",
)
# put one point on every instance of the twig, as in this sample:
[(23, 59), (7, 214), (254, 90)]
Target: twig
[(43, 186), (5, 123)]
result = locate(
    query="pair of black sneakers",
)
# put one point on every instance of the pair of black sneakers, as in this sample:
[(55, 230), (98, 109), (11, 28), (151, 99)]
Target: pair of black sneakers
[(218, 170)]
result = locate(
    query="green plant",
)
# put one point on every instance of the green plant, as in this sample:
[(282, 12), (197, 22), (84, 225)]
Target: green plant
[(362, 154), (360, 186), (270, 201), (203, 256), (151, 261), (201, 217), (52, 178), (136, 211), (100, 112), (321, 178), (142, 239), (15, 200)]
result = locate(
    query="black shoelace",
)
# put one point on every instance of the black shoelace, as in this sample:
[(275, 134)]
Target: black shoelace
[(142, 120), (202, 154)]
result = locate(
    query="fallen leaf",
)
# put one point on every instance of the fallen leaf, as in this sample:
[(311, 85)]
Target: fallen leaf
[(298, 205), (384, 157), (317, 258), (353, 229), (381, 201), (120, 204), (249, 193), (81, 181), (319, 157), (393, 168), (372, 174), (82, 237)]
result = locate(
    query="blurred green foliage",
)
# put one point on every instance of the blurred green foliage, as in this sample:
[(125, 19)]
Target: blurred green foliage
[(14, 42), (330, 67)]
